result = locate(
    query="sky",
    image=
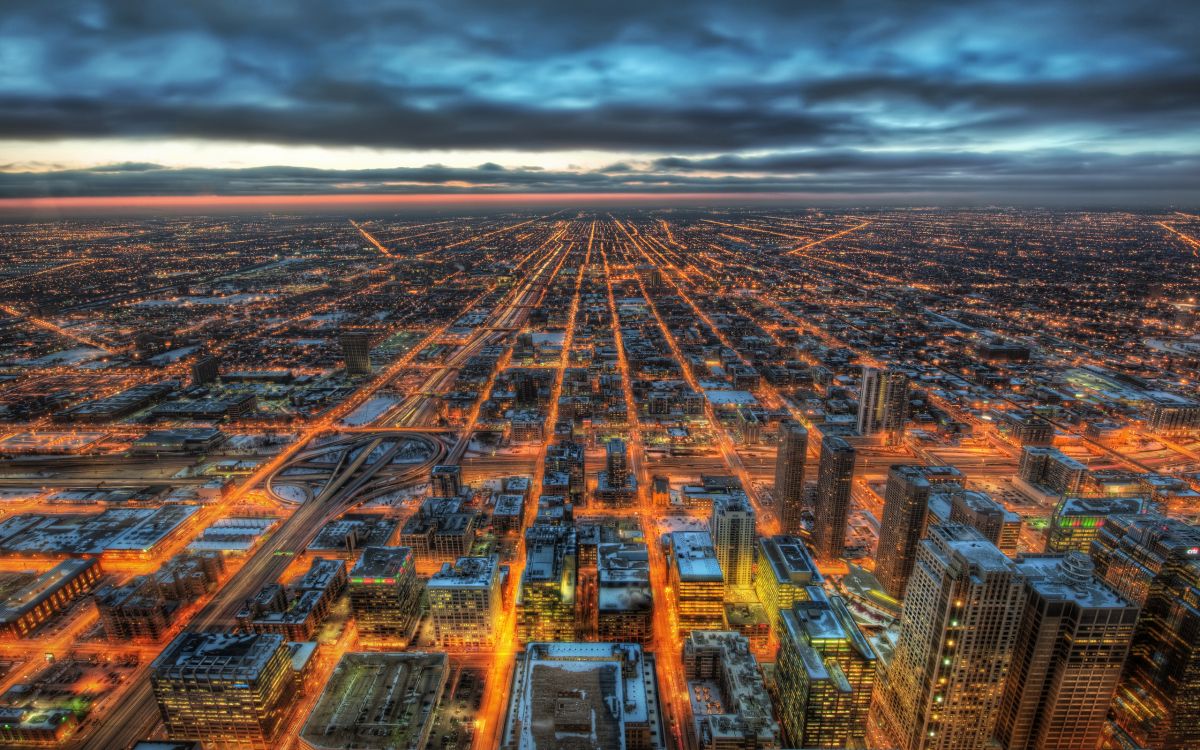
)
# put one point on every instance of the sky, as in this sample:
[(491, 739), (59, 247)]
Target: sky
[(912, 102)]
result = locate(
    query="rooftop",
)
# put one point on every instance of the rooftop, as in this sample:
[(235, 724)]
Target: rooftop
[(467, 572), (377, 700), (1069, 577), (788, 559), (382, 562), (695, 557), (225, 656)]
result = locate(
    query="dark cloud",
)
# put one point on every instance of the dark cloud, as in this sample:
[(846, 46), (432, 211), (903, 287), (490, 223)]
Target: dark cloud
[(1044, 176), (806, 94)]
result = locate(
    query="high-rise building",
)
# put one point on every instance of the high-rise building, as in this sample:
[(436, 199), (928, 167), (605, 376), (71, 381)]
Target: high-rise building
[(905, 516), (385, 594), (1077, 520), (205, 370), (464, 602), (786, 573), (695, 576), (789, 475), (584, 695), (356, 351), (617, 463), (1049, 467), (546, 598), (446, 480), (732, 527), (835, 472), (998, 525), (1172, 414), (883, 404), (1070, 649), (226, 690), (962, 615), (1022, 428), (825, 674), (741, 717), (1154, 562)]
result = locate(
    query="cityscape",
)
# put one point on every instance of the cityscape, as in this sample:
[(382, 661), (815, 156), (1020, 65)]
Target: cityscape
[(397, 375), (904, 478)]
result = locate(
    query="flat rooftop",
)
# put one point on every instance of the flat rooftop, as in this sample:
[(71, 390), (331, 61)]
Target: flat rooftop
[(581, 695), (695, 557), (466, 573), (1069, 577), (223, 656), (382, 562), (377, 700), (789, 560)]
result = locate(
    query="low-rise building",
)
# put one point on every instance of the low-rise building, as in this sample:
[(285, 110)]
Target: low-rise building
[(596, 695), (47, 595), (731, 709)]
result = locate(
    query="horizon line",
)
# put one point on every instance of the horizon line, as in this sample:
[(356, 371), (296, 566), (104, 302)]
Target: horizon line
[(189, 200)]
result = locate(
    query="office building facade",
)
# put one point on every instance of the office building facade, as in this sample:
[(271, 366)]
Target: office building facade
[(1154, 562), (905, 516), (228, 691), (825, 674), (962, 615), (1071, 646)]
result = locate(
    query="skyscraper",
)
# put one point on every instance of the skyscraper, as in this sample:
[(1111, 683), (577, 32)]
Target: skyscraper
[(733, 536), (998, 525), (825, 674), (883, 404), (789, 474), (962, 614), (695, 576), (356, 351), (205, 370), (1070, 648), (1051, 468), (835, 472), (1154, 562), (905, 512)]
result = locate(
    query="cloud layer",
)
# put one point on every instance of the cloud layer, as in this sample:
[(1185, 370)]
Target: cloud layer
[(864, 97)]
